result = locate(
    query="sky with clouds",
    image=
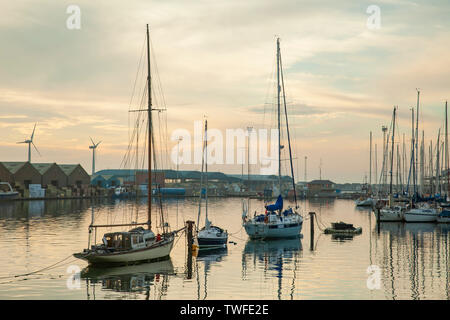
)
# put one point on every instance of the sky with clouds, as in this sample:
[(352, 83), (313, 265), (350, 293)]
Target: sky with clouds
[(217, 58)]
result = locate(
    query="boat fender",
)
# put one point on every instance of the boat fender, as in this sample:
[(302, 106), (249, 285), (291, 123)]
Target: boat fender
[(266, 219), (158, 237)]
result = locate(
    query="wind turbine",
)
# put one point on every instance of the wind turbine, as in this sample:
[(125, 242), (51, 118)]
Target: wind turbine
[(30, 142), (93, 147)]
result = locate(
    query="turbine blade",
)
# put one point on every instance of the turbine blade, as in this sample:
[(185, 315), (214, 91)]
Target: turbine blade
[(32, 135), (36, 149), (97, 144), (93, 143), (22, 142)]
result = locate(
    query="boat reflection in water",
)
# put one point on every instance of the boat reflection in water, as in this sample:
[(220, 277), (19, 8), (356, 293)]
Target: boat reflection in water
[(278, 258), (207, 258), (412, 257), (134, 280)]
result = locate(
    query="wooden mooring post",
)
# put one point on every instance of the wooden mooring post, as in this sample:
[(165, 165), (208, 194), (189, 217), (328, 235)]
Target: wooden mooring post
[(311, 218), (377, 213), (189, 242)]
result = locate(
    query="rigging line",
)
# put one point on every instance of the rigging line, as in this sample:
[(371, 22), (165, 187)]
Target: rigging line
[(288, 136), (231, 235), (160, 140), (37, 271), (127, 157), (134, 85), (179, 237), (156, 71), (236, 231)]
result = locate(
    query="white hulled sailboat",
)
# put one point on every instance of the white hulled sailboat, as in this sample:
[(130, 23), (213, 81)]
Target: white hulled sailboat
[(209, 236), (276, 222)]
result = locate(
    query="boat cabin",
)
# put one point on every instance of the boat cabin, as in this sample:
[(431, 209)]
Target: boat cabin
[(134, 239)]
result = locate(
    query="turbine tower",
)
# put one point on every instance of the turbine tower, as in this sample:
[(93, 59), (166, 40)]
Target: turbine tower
[(93, 147), (30, 142)]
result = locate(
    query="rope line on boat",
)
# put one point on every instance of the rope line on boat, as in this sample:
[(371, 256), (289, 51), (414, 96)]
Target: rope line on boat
[(37, 271), (236, 231), (182, 231), (237, 237), (320, 224)]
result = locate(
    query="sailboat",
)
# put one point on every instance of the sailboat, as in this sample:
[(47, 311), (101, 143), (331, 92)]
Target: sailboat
[(209, 236), (392, 212), (422, 211), (138, 244), (276, 222), (367, 200)]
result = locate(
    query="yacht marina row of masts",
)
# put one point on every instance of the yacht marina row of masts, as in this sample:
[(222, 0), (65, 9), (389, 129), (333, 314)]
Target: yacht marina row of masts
[(411, 187)]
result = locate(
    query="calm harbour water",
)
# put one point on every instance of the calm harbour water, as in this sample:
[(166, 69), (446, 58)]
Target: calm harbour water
[(413, 259)]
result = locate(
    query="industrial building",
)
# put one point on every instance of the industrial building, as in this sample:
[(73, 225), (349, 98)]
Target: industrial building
[(51, 174), (21, 174)]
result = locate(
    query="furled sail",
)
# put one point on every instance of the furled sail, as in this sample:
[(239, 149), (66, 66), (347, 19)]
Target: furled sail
[(277, 206)]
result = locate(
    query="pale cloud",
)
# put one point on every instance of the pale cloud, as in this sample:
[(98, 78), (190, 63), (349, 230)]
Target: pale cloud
[(217, 59)]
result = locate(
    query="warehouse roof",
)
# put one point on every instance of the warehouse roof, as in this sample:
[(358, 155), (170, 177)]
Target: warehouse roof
[(13, 167), (42, 167), (68, 168)]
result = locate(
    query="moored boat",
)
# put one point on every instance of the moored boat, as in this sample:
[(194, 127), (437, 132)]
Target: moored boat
[(276, 222), (443, 216), (138, 244), (209, 236), (424, 213), (392, 214), (7, 192), (365, 202)]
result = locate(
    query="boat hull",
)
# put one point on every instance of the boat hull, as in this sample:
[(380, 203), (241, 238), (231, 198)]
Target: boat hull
[(272, 231), (443, 220), (212, 237), (418, 215), (388, 215), (9, 195), (365, 203), (157, 251), (212, 241)]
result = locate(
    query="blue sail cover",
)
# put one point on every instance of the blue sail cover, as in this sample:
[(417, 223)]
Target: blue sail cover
[(277, 206)]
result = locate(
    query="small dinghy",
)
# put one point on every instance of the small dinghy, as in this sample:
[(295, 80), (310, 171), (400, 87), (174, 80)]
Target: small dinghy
[(343, 228)]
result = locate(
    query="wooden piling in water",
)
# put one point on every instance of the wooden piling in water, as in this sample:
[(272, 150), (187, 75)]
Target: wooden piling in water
[(190, 234), (311, 218), (190, 242)]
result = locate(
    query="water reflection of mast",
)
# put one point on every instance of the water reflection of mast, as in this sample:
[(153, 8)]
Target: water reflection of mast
[(391, 267), (295, 275), (413, 271)]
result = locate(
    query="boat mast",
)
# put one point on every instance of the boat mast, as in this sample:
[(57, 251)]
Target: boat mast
[(279, 117), (288, 135), (206, 174), (201, 183), (376, 169), (370, 164), (392, 157), (149, 111), (412, 152), (446, 149), (417, 136), (438, 178)]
